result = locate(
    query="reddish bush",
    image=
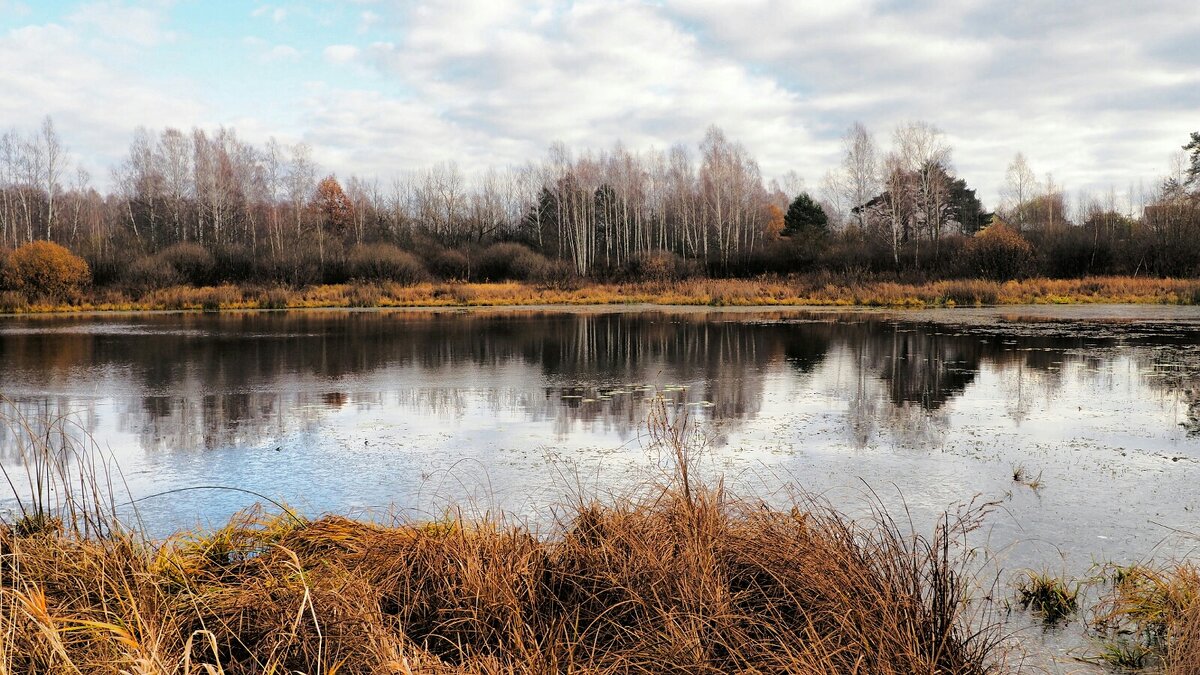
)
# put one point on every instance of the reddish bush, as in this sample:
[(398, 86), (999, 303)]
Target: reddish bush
[(190, 261), (511, 261)]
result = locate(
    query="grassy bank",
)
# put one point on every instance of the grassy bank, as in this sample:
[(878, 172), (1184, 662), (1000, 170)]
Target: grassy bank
[(689, 583), (680, 577), (813, 290), (677, 577)]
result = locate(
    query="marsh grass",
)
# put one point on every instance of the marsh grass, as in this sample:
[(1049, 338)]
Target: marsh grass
[(1152, 616), (818, 289), (682, 577), (1025, 477), (1052, 597)]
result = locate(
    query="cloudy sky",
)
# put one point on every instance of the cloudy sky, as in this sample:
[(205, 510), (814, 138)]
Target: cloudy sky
[(1099, 92)]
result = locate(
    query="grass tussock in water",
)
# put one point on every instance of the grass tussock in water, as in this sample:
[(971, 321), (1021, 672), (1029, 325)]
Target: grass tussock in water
[(1151, 617), (1053, 598), (683, 578)]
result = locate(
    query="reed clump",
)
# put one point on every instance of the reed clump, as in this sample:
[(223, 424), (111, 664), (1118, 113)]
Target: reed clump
[(1151, 616), (710, 585), (684, 577), (1053, 597)]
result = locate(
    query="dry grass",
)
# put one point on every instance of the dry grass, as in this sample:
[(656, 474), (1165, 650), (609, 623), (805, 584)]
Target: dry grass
[(683, 578), (816, 289), (1152, 616)]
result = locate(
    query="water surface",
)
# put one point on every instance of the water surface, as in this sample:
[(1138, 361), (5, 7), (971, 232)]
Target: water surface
[(410, 411)]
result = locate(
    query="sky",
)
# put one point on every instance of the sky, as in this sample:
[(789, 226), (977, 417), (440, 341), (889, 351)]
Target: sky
[(1100, 93)]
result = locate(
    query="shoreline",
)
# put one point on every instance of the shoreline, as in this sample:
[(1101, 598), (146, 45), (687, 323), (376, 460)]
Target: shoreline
[(816, 292)]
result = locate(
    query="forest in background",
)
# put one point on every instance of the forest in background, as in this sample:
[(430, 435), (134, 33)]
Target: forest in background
[(204, 208)]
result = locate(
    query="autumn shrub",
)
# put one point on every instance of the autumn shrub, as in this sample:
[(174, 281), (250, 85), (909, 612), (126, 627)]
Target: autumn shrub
[(384, 262), (45, 269), (233, 263), (660, 266), (13, 301), (273, 298), (852, 252), (450, 265), (999, 252), (214, 298), (191, 262), (1070, 252), (149, 273), (970, 292), (297, 264), (510, 261), (456, 293)]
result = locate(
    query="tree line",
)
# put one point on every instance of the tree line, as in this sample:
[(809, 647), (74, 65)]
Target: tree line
[(205, 207)]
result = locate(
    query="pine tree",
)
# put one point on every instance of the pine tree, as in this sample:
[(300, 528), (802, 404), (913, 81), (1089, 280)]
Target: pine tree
[(806, 218)]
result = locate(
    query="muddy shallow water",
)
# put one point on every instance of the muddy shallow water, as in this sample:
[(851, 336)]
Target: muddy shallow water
[(411, 411)]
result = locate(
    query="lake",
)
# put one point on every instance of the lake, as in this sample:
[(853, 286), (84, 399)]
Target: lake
[(412, 412)]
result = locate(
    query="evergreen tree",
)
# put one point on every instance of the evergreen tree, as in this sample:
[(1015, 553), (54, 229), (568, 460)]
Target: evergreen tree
[(806, 218), (1194, 169), (966, 208)]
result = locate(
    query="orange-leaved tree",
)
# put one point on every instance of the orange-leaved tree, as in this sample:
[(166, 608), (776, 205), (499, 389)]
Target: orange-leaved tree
[(45, 269), (333, 207)]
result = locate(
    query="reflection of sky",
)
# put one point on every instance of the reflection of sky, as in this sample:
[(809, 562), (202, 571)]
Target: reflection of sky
[(916, 410), (375, 413)]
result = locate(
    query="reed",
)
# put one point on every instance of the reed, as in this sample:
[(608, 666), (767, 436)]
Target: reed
[(1151, 615), (682, 577), (800, 290)]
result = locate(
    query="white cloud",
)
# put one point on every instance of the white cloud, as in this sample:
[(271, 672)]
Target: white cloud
[(13, 8), (282, 53), (510, 78), (367, 20), (51, 70), (341, 53), (117, 22), (1098, 92)]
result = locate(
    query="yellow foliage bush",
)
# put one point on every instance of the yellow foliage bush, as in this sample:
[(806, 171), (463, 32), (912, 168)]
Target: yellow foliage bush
[(45, 269), (1000, 253)]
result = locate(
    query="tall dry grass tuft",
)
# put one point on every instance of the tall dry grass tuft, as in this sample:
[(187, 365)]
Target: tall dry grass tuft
[(1152, 614), (685, 578)]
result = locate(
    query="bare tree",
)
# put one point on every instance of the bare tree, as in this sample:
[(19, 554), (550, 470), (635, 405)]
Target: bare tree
[(860, 166), (300, 181), (50, 151), (1020, 186)]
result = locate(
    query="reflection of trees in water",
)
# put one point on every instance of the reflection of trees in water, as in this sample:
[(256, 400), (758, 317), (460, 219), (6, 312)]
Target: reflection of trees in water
[(1174, 372), (219, 420), (55, 422), (239, 379)]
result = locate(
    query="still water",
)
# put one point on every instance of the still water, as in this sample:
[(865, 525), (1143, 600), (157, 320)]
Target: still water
[(408, 412)]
